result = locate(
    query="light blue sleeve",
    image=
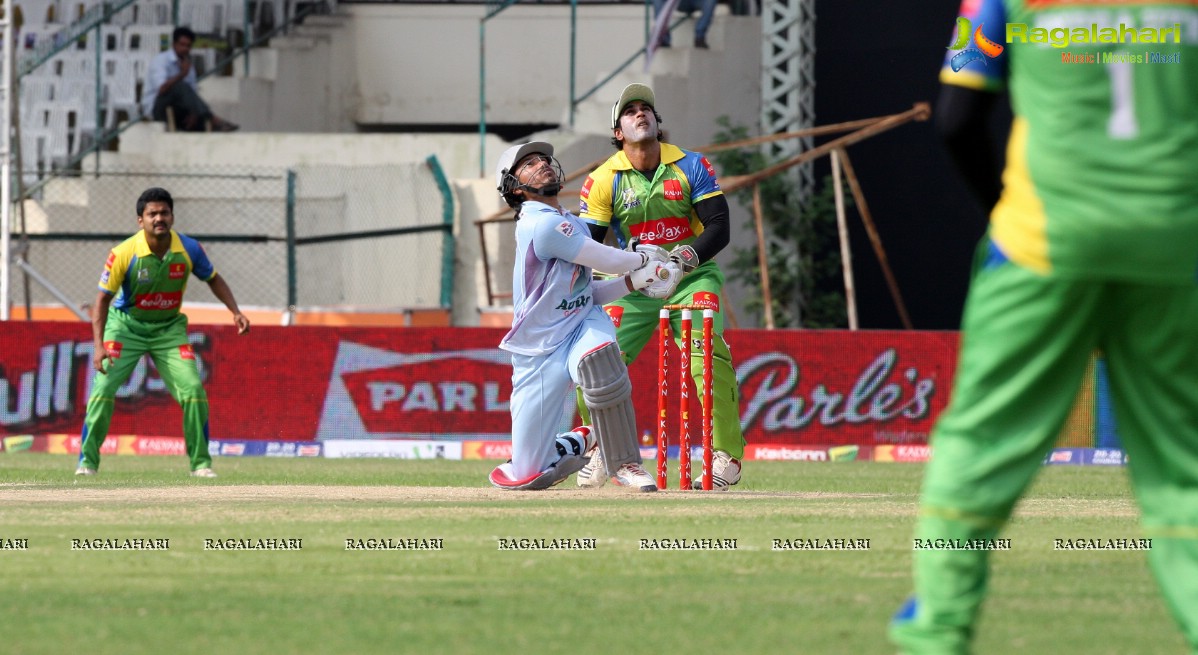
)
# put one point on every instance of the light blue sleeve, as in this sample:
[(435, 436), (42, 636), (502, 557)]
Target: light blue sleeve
[(558, 236)]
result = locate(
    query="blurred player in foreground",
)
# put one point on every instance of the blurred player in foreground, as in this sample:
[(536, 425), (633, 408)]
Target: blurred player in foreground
[(137, 312), (1092, 245), (560, 335), (663, 195)]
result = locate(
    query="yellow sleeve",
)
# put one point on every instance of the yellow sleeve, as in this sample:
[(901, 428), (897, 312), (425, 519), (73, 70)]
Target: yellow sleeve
[(115, 268), (594, 201)]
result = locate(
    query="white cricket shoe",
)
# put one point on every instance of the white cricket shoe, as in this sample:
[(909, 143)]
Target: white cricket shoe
[(725, 472), (83, 470), (634, 476), (594, 474), (203, 473)]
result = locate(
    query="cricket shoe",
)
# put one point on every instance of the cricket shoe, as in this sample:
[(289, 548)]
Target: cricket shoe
[(83, 470), (725, 472), (594, 473), (634, 476), (203, 473)]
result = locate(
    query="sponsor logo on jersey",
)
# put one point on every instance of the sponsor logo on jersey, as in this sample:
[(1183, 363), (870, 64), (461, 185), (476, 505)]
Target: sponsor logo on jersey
[(672, 189), (185, 352), (104, 277), (577, 303), (565, 228), (111, 260), (582, 207), (706, 300), (586, 188), (663, 231), (615, 313), (159, 301), (178, 271), (113, 348), (630, 200), (708, 166)]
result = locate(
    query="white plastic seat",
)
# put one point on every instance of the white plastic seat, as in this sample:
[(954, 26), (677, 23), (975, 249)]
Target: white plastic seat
[(147, 38), (153, 13), (119, 77)]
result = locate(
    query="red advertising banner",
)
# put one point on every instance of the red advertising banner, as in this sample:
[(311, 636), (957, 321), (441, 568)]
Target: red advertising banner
[(319, 383)]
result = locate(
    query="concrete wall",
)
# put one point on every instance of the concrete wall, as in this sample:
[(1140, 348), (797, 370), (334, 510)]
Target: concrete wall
[(374, 65)]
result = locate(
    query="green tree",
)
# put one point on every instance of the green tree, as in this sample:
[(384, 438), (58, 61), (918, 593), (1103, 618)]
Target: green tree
[(803, 255)]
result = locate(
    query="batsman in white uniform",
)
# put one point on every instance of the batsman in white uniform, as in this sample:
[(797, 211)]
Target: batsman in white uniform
[(560, 335)]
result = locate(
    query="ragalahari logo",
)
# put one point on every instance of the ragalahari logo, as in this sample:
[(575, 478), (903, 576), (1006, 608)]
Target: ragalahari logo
[(982, 49)]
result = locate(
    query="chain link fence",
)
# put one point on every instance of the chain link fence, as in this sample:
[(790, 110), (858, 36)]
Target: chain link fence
[(377, 237)]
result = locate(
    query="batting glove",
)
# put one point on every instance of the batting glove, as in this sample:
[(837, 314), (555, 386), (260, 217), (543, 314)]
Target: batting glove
[(686, 258)]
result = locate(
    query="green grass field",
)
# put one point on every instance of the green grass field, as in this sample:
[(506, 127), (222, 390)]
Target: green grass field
[(470, 597)]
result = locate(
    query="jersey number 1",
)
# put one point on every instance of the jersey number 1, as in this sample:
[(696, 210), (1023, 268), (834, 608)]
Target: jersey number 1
[(1122, 123)]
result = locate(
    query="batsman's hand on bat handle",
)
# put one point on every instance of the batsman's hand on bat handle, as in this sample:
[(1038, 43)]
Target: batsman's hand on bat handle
[(668, 277), (651, 253), (686, 258)]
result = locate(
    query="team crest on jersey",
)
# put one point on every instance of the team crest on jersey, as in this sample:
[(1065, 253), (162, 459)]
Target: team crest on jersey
[(672, 190), (630, 199), (178, 271), (566, 228), (143, 275)]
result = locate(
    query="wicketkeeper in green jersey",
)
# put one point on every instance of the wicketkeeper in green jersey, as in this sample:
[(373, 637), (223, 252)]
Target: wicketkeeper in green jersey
[(1092, 246), (662, 195), (137, 312)]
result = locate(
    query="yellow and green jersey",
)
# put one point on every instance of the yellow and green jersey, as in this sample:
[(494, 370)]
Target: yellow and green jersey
[(148, 288), (1101, 177), (658, 210)]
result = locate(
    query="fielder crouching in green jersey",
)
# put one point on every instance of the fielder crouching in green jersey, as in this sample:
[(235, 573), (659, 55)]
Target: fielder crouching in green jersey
[(1092, 246), (662, 195), (137, 312)]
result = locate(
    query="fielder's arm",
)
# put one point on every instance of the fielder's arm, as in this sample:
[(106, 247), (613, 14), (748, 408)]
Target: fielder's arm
[(713, 214), (222, 291), (99, 322), (962, 123)]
